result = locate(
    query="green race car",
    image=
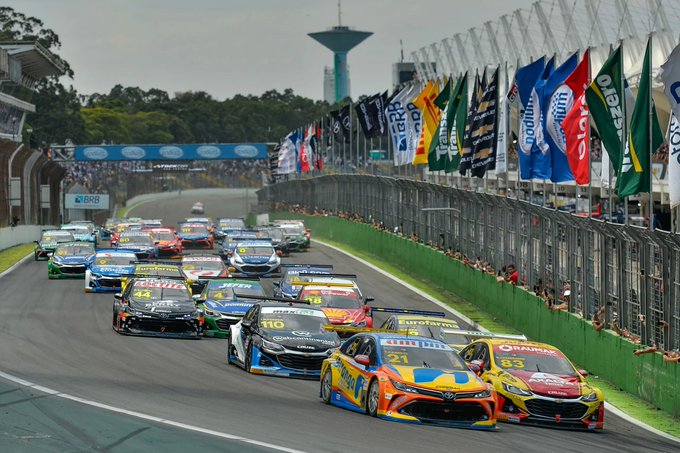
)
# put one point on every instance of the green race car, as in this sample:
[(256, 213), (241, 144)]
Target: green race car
[(224, 303), (49, 240), (70, 260)]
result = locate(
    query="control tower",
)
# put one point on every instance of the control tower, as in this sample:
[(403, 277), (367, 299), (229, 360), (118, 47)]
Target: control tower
[(340, 39)]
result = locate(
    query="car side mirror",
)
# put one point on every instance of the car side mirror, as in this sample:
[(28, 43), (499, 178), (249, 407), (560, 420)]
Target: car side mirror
[(196, 297), (277, 284), (246, 324), (118, 296), (368, 299), (583, 373), (362, 359), (37, 242), (156, 242), (367, 309)]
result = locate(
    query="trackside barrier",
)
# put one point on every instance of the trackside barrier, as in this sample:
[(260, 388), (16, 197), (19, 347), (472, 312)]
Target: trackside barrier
[(603, 354)]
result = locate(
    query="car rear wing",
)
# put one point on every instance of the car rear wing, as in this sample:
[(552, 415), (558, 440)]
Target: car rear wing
[(347, 276), (478, 334), (272, 299), (352, 329), (329, 284), (301, 266), (405, 311), (168, 262)]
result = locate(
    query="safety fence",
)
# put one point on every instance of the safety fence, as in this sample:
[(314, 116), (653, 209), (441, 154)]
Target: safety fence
[(631, 272)]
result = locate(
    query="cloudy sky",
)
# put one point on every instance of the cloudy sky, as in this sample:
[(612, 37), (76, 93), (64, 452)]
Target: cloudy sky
[(227, 47)]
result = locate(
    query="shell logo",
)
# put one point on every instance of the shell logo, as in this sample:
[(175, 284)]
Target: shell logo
[(171, 152), (133, 152), (208, 152), (95, 153)]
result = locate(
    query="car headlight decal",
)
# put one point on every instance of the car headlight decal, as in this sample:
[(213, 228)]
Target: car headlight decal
[(591, 398), (516, 390), (271, 347)]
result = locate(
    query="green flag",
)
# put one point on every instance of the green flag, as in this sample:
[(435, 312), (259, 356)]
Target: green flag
[(436, 155), (458, 118), (644, 138), (605, 98)]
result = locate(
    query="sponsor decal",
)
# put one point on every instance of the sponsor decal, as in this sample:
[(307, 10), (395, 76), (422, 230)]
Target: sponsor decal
[(522, 348), (428, 322), (201, 259), (171, 152), (133, 152), (166, 285), (95, 153), (246, 151), (316, 340), (208, 151), (292, 311), (424, 344), (233, 285), (299, 333), (549, 379)]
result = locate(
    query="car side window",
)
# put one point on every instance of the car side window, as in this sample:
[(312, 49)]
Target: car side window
[(468, 353), (482, 353), (250, 316), (368, 348), (350, 348)]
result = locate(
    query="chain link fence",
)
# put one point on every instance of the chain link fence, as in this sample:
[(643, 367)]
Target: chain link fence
[(633, 273)]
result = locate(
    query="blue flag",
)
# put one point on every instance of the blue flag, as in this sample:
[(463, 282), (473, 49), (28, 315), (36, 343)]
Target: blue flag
[(525, 80), (557, 101), (540, 151)]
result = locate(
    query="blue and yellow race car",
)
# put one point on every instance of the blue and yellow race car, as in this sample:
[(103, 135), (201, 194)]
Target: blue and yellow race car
[(70, 260), (408, 379), (285, 288), (225, 301), (107, 269)]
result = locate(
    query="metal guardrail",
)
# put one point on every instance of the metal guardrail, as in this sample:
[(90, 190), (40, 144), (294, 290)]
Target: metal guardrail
[(632, 272)]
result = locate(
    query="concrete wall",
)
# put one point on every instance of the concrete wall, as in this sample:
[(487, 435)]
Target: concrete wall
[(604, 354), (20, 234), (197, 192)]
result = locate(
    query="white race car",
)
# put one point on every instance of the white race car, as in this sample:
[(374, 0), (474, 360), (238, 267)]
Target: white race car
[(197, 208)]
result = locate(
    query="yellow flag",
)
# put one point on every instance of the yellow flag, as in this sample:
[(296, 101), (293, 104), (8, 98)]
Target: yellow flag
[(430, 120)]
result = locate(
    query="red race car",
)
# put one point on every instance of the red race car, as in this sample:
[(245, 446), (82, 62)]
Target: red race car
[(341, 302), (168, 244)]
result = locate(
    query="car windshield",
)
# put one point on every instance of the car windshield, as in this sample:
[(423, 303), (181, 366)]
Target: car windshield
[(146, 292), (109, 260), (164, 236), (240, 290), (56, 236), (333, 299), (136, 239), (417, 353), (203, 266), (255, 251), (434, 329), (195, 229), (292, 231), (542, 360), (78, 229), (74, 250)]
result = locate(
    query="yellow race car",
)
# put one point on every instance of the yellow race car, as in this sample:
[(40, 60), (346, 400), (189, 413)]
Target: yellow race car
[(536, 384), (424, 323)]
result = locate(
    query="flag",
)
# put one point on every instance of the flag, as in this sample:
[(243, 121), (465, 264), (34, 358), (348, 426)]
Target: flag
[(377, 108), (605, 169), (670, 74), (363, 110), (483, 129), (541, 162), (398, 126), (430, 118), (525, 80), (287, 156), (305, 151), (336, 126), (502, 132), (674, 161), (558, 98), (457, 125), (315, 143), (415, 120), (643, 138), (439, 147), (576, 124), (346, 122), (466, 152), (605, 99)]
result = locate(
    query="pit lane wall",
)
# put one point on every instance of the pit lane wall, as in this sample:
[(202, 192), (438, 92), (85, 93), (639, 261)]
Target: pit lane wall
[(604, 354), (21, 234)]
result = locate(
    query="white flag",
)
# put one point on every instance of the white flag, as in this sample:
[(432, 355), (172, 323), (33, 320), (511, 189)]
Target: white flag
[(415, 120), (670, 74), (287, 156), (674, 161), (502, 139), (398, 125), (604, 169)]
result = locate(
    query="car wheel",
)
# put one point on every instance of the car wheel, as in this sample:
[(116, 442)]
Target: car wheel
[(230, 350), (373, 399), (35, 256), (327, 386), (249, 357), (116, 322)]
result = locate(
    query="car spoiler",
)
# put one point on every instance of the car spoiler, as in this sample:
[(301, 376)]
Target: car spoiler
[(329, 284), (347, 276), (353, 330), (170, 262), (114, 250), (298, 266), (478, 334), (273, 299), (405, 311), (168, 277)]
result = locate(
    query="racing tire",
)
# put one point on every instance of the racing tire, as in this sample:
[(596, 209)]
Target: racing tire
[(229, 348), (248, 362), (373, 398), (115, 323), (35, 256), (327, 386)]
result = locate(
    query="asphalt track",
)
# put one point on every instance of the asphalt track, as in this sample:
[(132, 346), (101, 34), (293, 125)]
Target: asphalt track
[(54, 334)]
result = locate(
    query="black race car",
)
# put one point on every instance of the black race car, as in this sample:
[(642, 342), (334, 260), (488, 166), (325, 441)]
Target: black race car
[(157, 307)]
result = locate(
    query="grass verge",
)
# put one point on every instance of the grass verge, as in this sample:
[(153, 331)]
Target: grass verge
[(631, 405), (12, 255)]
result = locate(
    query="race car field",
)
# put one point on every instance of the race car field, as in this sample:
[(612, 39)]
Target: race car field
[(74, 350)]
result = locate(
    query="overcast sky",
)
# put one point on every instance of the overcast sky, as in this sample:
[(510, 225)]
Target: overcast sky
[(227, 47)]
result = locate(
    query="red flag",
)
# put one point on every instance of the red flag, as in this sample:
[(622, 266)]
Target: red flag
[(305, 151), (576, 124), (317, 142)]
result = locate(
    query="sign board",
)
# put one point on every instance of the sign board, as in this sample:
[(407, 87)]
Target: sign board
[(44, 195), (378, 154), (262, 219), (15, 191), (86, 201), (171, 152)]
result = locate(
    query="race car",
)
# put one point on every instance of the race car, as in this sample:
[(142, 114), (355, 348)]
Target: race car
[(285, 288), (197, 269), (168, 244), (424, 323), (80, 232), (281, 339), (297, 237), (227, 224), (232, 238), (255, 258), (157, 307), (339, 301), (70, 260), (197, 208), (122, 228), (408, 379), (107, 229), (139, 241), (49, 240), (88, 223), (195, 235), (106, 270), (224, 303), (536, 384), (154, 269)]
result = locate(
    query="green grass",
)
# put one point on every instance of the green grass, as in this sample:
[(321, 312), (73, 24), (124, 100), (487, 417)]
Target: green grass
[(631, 405), (12, 255)]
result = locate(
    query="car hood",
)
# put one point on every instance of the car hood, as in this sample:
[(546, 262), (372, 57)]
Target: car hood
[(435, 379), (195, 275), (194, 236), (343, 315), (49, 245), (166, 243), (303, 341), (228, 306), (255, 259), (113, 270), (547, 384), (164, 306), (72, 259)]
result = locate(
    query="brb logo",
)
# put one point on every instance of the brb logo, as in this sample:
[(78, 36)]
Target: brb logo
[(87, 199)]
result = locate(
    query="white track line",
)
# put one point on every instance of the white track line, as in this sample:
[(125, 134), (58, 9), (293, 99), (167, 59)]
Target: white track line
[(150, 418), (611, 408)]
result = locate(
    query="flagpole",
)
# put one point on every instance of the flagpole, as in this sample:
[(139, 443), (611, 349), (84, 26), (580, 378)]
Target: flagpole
[(589, 153), (351, 108), (624, 136), (651, 140)]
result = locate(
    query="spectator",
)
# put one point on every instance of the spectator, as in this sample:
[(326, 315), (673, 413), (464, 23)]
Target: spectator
[(512, 275), (598, 320)]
